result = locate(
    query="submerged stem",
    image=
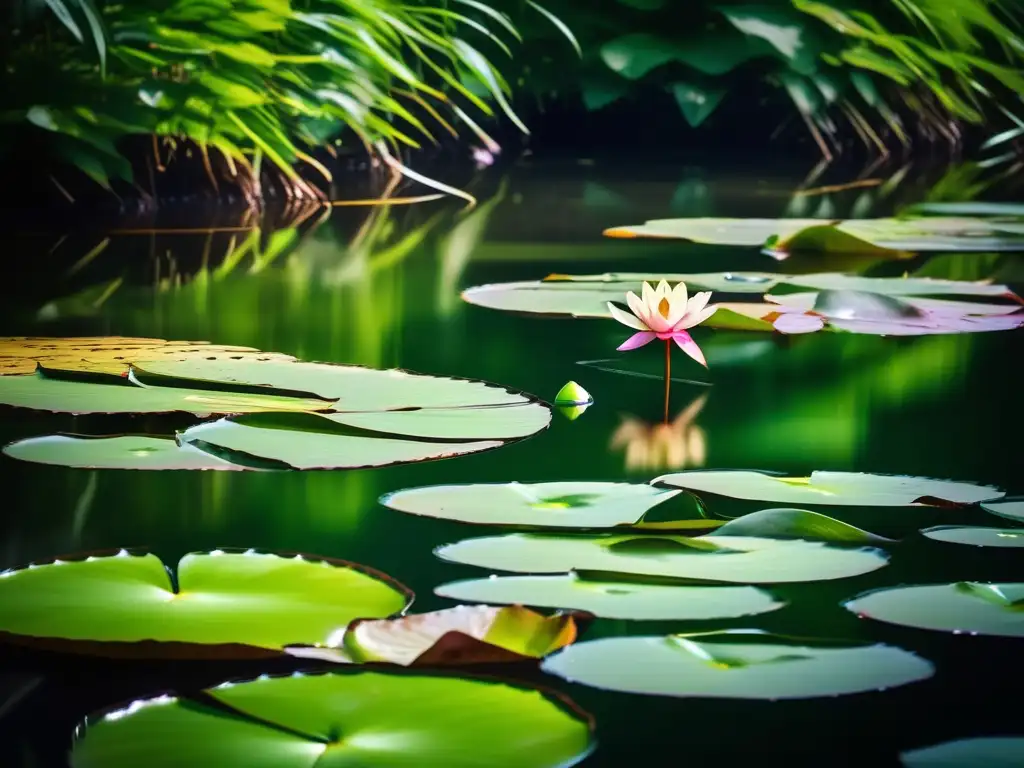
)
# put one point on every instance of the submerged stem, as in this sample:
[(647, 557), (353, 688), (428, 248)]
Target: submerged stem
[(668, 373)]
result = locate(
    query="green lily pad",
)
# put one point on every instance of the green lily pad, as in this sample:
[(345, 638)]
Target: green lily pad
[(833, 488), (46, 393), (461, 635), (332, 441), (534, 505), (613, 599), (717, 666), (977, 536), (121, 452), (733, 559), (787, 523), (353, 717), (932, 233), (352, 388), (981, 752), (960, 608), (1013, 510), (219, 603), (587, 296)]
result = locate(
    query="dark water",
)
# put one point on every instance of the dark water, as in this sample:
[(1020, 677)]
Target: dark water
[(941, 406)]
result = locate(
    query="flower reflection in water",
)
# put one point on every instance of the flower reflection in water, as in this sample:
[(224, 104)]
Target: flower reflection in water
[(677, 444)]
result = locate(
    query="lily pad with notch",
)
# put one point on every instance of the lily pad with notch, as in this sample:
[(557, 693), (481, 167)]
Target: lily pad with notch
[(116, 452), (350, 717), (730, 559), (963, 607), (478, 634), (218, 605), (833, 488), (736, 664), (533, 505), (611, 599)]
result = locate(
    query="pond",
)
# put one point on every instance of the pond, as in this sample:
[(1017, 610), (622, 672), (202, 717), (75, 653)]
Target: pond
[(381, 288)]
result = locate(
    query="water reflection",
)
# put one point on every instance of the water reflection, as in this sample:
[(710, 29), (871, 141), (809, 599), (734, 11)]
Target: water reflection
[(676, 444)]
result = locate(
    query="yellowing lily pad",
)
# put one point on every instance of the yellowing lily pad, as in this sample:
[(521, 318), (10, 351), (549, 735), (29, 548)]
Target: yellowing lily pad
[(838, 488), (977, 536), (533, 505), (719, 665), (373, 719), (729, 559), (961, 608), (461, 635), (612, 599), (980, 752), (218, 604), (111, 355)]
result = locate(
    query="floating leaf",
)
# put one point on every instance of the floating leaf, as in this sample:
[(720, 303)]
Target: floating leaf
[(354, 717), (536, 505), (928, 234), (219, 604), (787, 523), (1014, 510), (839, 488), (111, 354), (354, 388), (977, 536), (981, 752), (44, 393), (461, 635), (742, 561), (121, 452), (714, 667), (613, 599), (964, 607)]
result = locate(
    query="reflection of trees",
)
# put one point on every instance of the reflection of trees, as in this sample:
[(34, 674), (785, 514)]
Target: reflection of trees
[(673, 445)]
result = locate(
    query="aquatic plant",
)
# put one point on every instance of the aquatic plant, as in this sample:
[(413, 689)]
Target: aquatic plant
[(248, 90)]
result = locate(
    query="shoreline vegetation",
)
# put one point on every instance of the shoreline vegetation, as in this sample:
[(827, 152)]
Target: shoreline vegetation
[(263, 101)]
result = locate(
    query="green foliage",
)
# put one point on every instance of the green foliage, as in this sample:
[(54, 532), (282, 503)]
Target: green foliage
[(246, 81), (870, 67)]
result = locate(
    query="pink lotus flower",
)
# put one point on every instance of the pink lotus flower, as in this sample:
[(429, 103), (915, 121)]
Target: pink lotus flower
[(665, 313)]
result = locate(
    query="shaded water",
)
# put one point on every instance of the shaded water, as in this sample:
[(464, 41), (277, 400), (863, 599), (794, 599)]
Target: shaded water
[(382, 289)]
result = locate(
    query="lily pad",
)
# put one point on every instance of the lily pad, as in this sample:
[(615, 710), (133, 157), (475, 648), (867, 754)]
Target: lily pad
[(877, 314), (833, 488), (587, 296), (1013, 510), (977, 536), (534, 505), (461, 635), (960, 608), (731, 559), (787, 523), (353, 388), (45, 393), (717, 666), (219, 604), (121, 452), (613, 599), (315, 441), (981, 752), (111, 354), (927, 234), (353, 717)]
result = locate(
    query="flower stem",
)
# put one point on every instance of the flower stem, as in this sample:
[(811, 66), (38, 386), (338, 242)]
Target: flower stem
[(668, 374)]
